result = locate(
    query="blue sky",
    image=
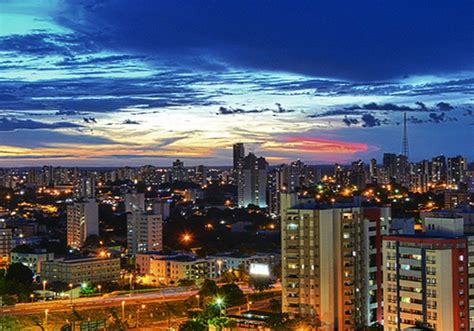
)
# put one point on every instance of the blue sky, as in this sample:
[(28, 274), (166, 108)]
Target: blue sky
[(119, 82)]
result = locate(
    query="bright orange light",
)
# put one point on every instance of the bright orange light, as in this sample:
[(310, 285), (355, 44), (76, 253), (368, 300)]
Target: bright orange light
[(187, 237), (102, 253)]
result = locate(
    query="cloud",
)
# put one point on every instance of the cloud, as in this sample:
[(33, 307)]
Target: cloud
[(420, 107), (369, 121), (350, 121), (202, 33), (230, 111), (129, 121), (12, 124)]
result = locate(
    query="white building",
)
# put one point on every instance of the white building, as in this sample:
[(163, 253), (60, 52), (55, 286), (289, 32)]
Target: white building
[(144, 232), (82, 221)]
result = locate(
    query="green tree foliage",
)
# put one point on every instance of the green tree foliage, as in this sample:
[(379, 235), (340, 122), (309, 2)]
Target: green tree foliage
[(193, 325), (16, 284), (208, 289), (260, 283), (232, 294)]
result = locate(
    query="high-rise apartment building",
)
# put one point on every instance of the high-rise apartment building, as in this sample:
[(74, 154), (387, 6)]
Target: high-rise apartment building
[(332, 262), (82, 221), (252, 181), (85, 189), (457, 167), (178, 172), (428, 277), (239, 154), (426, 280), (438, 169), (6, 244), (398, 168), (144, 232)]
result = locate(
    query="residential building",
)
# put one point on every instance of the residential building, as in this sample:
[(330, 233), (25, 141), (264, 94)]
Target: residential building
[(82, 221), (252, 182), (332, 262), (33, 260), (6, 244), (144, 232), (80, 270)]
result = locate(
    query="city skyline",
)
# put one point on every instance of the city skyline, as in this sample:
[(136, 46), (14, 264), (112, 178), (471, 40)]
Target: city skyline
[(115, 83)]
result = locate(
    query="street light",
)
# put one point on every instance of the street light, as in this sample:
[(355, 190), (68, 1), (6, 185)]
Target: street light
[(186, 238), (32, 296), (219, 264), (46, 311), (198, 301), (138, 314), (71, 285), (99, 287), (44, 288), (220, 303), (123, 310)]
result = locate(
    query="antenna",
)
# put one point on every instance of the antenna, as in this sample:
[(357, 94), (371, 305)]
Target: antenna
[(405, 136)]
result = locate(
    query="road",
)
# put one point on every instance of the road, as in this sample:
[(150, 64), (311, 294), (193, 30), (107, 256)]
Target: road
[(160, 296)]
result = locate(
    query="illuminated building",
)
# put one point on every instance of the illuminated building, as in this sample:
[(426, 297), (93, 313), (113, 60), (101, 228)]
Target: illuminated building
[(426, 280), (332, 262), (252, 182), (33, 260), (82, 221), (6, 244), (457, 167), (79, 270), (144, 232), (178, 172)]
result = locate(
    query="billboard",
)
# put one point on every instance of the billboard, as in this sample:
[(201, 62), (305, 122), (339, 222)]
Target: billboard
[(259, 269)]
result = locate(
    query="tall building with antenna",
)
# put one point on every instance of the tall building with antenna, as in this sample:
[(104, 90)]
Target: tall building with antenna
[(405, 136)]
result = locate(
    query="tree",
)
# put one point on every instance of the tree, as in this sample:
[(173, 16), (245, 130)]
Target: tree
[(19, 273), (209, 288), (275, 306), (193, 325), (221, 322), (232, 293), (186, 282), (260, 283)]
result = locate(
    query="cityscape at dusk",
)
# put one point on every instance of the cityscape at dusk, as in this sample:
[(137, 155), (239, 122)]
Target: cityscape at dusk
[(234, 165)]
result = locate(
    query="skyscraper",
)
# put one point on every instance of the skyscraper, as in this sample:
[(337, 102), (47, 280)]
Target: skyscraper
[(457, 167), (332, 263), (438, 169), (178, 172), (144, 232), (252, 181), (82, 221), (239, 154)]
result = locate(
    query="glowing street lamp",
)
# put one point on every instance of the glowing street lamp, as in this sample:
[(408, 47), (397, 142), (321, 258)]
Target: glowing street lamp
[(198, 301), (219, 303), (99, 287), (138, 314), (71, 285), (46, 311), (186, 238), (123, 310), (44, 288)]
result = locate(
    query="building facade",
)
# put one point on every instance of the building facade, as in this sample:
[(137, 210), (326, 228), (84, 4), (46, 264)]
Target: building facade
[(332, 263), (82, 221), (76, 271)]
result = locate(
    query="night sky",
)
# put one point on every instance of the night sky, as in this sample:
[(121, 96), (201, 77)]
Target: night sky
[(111, 83)]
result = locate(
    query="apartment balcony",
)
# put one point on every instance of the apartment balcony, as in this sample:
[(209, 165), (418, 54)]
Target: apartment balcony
[(411, 295)]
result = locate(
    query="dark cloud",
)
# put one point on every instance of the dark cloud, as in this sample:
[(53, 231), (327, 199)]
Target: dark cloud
[(350, 121), (369, 121), (129, 121), (230, 110), (444, 106), (12, 124), (314, 33)]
